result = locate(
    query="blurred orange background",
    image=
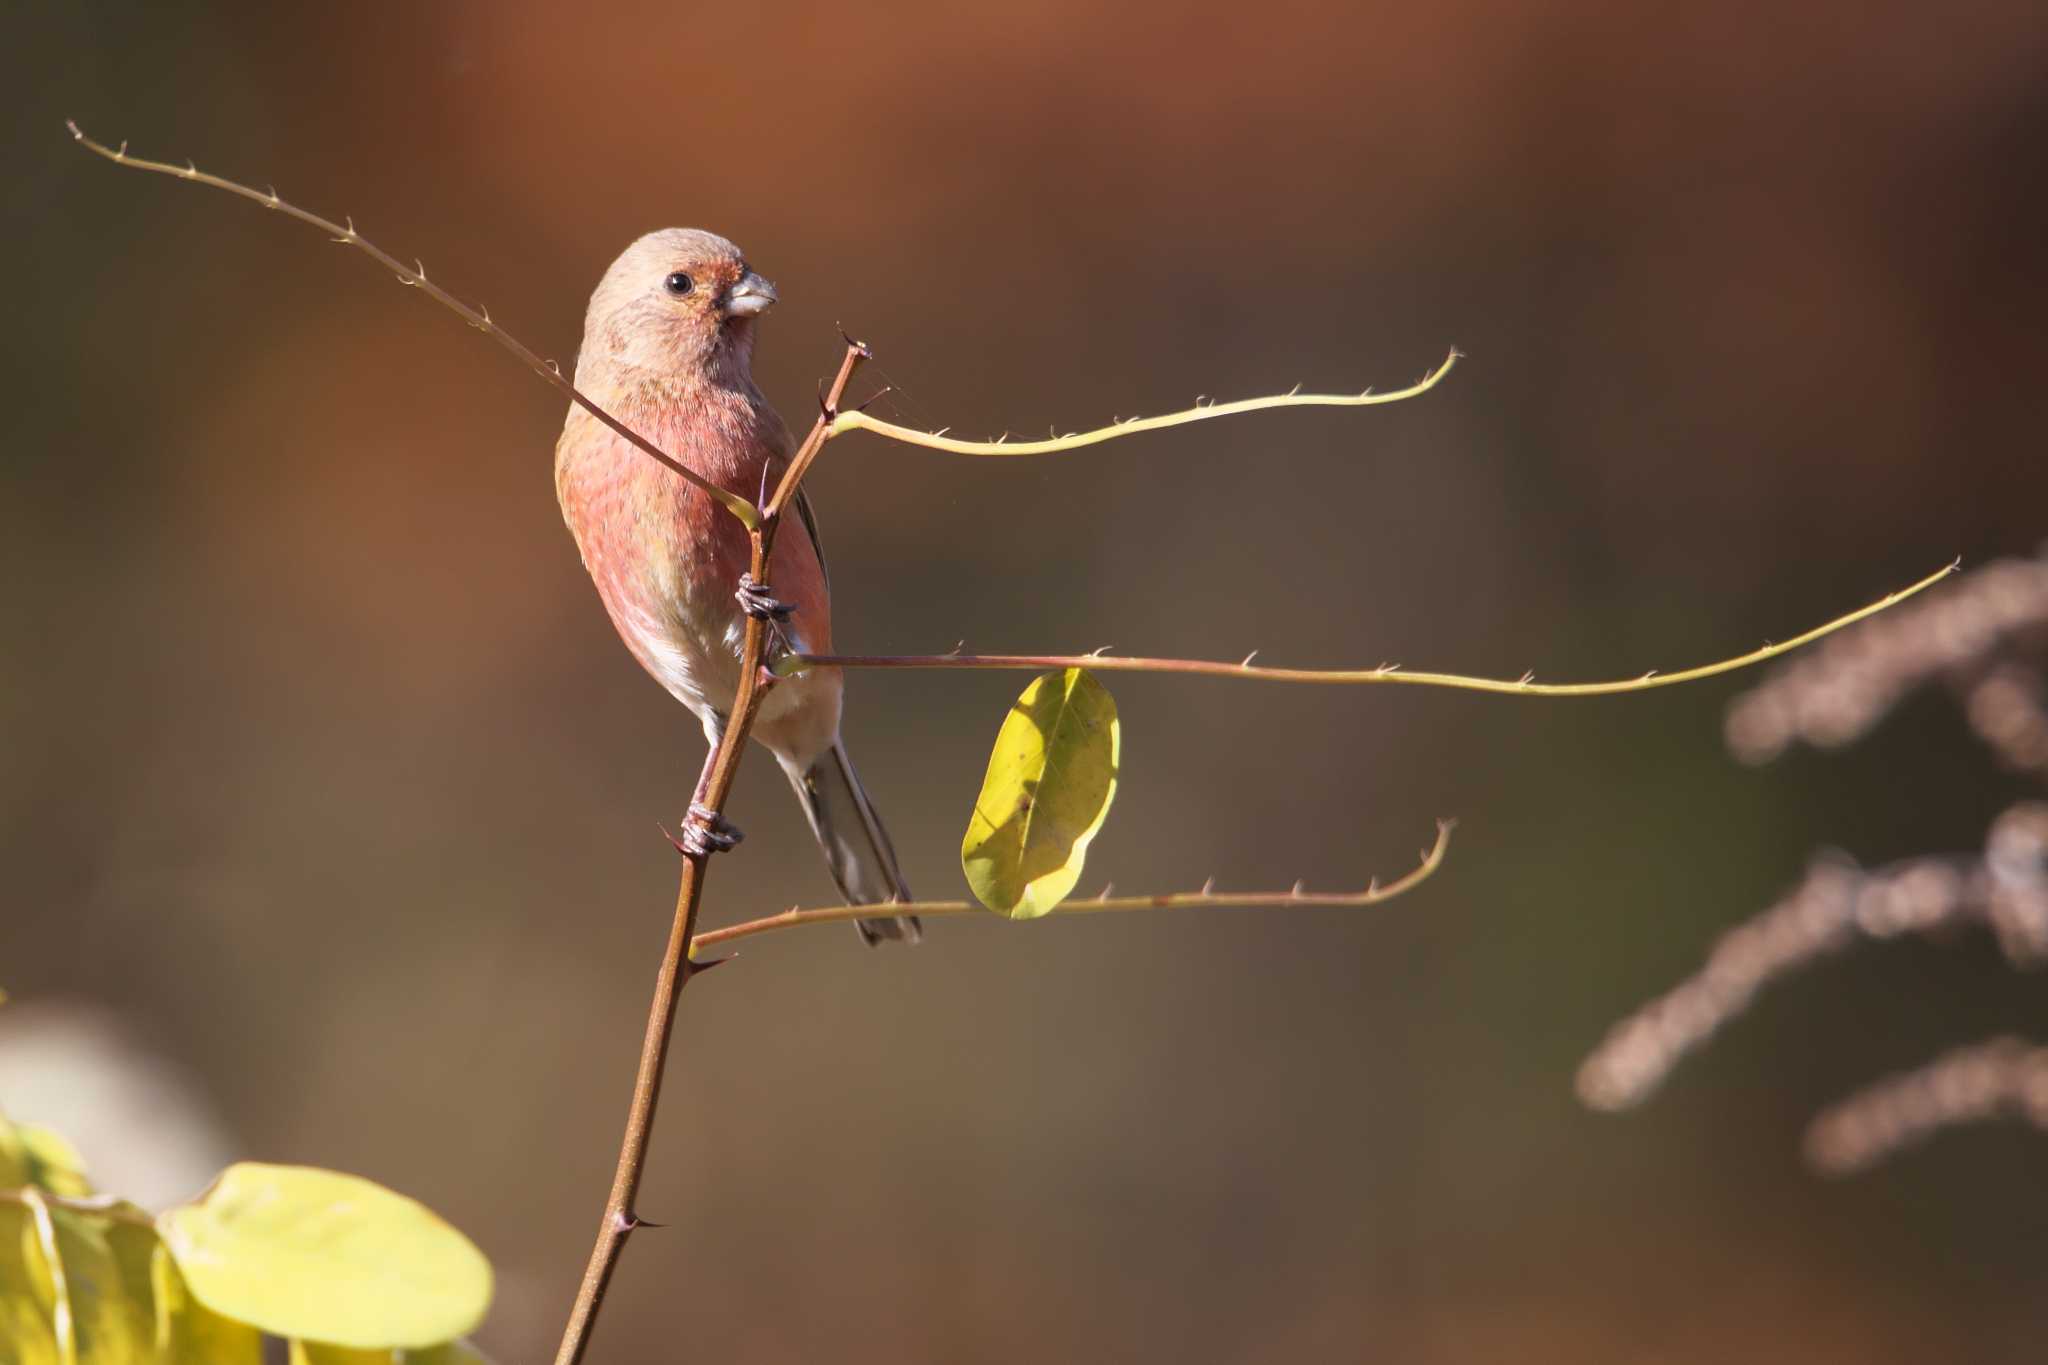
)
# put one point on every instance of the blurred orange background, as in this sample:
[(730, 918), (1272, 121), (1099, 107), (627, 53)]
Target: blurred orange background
[(326, 776)]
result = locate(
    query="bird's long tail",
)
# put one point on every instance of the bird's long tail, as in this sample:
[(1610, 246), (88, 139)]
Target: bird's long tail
[(857, 848)]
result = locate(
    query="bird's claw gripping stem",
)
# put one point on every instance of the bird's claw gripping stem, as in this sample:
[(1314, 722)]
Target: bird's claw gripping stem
[(706, 832), (757, 601)]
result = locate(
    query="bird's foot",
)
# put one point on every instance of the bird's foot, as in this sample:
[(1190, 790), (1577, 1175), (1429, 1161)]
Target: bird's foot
[(756, 601), (706, 832)]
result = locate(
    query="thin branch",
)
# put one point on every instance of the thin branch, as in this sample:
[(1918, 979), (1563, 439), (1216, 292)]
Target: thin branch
[(415, 275), (106, 1206), (1202, 412), (721, 768), (1995, 618), (1205, 899), (1385, 673), (800, 463)]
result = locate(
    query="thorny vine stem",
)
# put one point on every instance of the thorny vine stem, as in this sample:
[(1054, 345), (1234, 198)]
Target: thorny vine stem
[(415, 275), (857, 420), (1432, 858), (1385, 673)]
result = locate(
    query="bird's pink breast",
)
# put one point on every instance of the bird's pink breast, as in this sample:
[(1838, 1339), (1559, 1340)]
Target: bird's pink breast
[(664, 556)]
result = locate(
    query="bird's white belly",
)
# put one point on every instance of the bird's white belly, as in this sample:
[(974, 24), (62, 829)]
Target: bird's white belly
[(703, 673)]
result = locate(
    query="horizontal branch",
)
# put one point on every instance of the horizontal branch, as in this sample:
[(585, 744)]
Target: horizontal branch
[(1385, 673), (95, 1205), (1205, 899), (938, 440), (415, 275)]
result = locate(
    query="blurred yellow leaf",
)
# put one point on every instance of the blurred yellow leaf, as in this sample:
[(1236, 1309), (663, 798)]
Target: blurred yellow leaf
[(113, 1320), (65, 1295), (53, 1163), (321, 1353), (313, 1254), (27, 1335), (1050, 780), (186, 1329), (37, 1156), (447, 1353)]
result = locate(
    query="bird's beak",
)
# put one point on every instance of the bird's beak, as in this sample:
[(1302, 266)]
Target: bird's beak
[(749, 296)]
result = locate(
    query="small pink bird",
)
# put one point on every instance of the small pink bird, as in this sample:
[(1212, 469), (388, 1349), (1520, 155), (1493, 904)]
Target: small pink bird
[(668, 346)]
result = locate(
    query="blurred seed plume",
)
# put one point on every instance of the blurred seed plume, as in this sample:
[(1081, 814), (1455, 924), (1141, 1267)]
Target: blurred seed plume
[(1984, 1080), (1986, 640)]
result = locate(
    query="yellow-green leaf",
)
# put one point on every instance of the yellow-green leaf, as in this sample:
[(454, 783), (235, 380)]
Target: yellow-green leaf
[(40, 1157), (323, 1353), (112, 1318), (187, 1329), (77, 1302), (53, 1163), (1051, 777), (447, 1353), (27, 1334), (314, 1254)]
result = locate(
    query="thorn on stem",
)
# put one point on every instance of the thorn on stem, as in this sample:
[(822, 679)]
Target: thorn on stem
[(1247, 662), (1208, 886), (628, 1221), (859, 348)]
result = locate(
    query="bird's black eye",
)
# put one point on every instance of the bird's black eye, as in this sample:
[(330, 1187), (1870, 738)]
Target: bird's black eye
[(679, 284)]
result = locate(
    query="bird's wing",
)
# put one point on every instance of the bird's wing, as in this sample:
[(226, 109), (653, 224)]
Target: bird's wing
[(810, 516)]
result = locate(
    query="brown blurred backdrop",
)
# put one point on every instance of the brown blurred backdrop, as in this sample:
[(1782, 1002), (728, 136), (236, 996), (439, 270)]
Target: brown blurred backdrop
[(324, 772)]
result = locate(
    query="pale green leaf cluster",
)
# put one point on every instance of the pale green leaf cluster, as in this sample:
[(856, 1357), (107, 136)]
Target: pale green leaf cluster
[(1051, 778), (349, 1272)]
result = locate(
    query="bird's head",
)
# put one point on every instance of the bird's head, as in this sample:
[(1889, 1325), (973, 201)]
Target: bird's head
[(677, 301)]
